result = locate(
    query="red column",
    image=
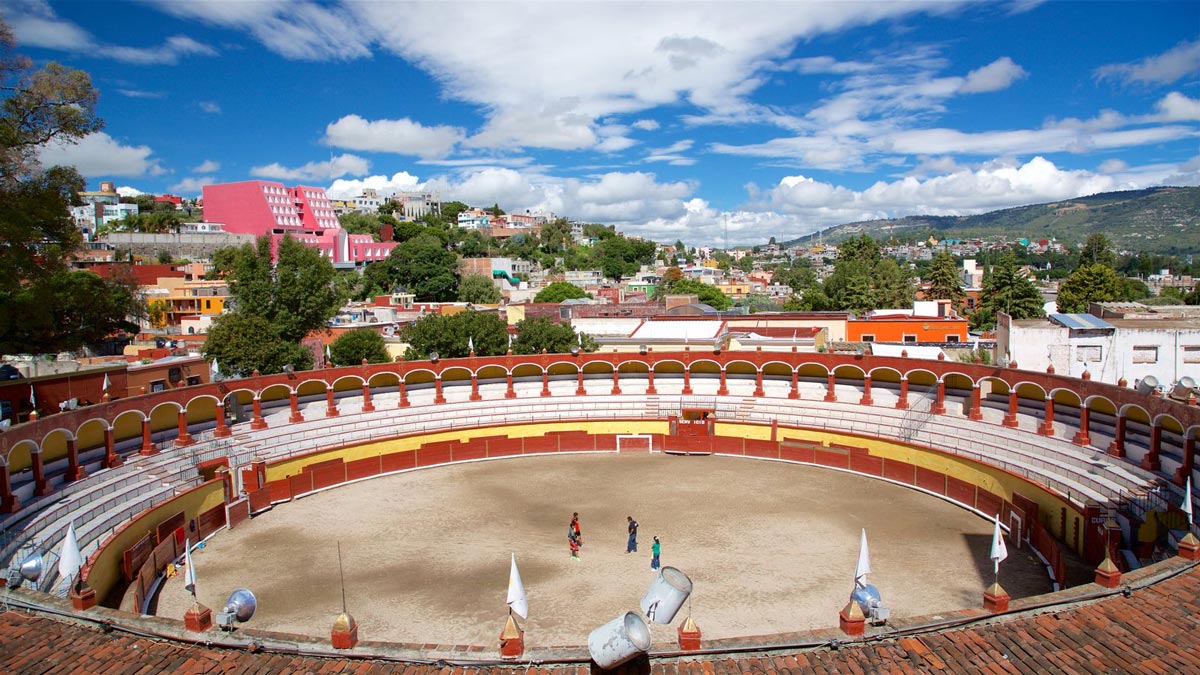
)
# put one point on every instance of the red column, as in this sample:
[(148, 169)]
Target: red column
[(147, 443), (1082, 436), (1010, 418), (545, 382), (74, 471), (1117, 447), (722, 390), (182, 437), (1189, 460), (294, 404), (866, 396), (830, 394), (687, 379), (8, 501), (758, 382), (41, 486), (222, 429), (616, 390), (257, 422), (976, 412), (579, 390), (902, 402), (437, 388), (403, 394), (795, 392), (509, 392), (331, 409), (367, 405), (650, 387), (475, 388), (111, 458), (939, 404), (1047, 426), (1150, 461)]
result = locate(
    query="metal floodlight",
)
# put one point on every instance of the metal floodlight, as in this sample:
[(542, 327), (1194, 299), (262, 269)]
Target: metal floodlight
[(434, 356), (32, 567), (575, 351), (239, 607), (642, 349)]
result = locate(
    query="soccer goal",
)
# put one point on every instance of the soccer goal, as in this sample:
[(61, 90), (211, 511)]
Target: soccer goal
[(635, 443)]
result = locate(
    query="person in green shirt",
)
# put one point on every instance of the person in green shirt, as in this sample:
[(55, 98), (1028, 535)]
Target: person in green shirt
[(655, 548)]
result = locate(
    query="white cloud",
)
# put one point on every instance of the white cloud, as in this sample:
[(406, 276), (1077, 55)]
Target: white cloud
[(997, 75), (1111, 166), (1176, 63), (596, 60), (191, 186), (1175, 107), (210, 107), (299, 29), (314, 171), (401, 136), (168, 53), (138, 93), (646, 125), (344, 188), (207, 166), (128, 191), (672, 154), (98, 155)]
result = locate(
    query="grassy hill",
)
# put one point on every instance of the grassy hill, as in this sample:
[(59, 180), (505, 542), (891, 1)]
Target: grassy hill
[(1156, 220)]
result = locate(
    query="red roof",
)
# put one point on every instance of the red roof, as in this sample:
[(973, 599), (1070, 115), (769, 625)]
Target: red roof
[(142, 275)]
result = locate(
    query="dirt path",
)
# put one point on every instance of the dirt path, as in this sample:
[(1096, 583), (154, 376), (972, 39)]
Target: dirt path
[(770, 547)]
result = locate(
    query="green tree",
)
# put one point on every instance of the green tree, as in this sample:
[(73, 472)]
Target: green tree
[(479, 290), (757, 302), (449, 334), (556, 235), (1097, 250), (944, 282), (37, 234), (450, 211), (1093, 282), (534, 335), (890, 286), (304, 294), (243, 343), (857, 296), (560, 290), (1193, 298), (351, 347), (424, 267), (1006, 290), (705, 293), (360, 223)]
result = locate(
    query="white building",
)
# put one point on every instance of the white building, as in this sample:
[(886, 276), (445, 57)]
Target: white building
[(368, 202), (1162, 342), (417, 204)]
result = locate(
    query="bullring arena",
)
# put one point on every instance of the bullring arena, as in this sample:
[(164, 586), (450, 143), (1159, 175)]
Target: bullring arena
[(757, 470)]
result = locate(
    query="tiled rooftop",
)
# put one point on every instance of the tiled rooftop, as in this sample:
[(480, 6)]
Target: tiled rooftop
[(1154, 630)]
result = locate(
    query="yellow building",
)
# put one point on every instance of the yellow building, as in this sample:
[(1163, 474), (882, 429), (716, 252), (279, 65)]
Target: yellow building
[(735, 290)]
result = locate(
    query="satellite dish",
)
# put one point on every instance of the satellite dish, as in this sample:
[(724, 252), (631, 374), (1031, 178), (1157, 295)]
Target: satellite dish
[(239, 607), (31, 567)]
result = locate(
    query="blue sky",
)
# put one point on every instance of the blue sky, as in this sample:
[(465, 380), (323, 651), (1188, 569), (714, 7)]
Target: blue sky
[(668, 120)]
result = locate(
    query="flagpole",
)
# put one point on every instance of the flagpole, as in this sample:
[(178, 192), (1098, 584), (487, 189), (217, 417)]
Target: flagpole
[(341, 576)]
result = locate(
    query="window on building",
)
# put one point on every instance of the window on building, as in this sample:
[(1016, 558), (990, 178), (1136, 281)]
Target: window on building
[(952, 338), (208, 304), (868, 338), (1191, 354), (909, 337), (158, 385), (1088, 353), (1145, 354)]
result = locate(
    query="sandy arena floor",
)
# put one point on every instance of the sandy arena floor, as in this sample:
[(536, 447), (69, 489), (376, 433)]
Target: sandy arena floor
[(770, 547)]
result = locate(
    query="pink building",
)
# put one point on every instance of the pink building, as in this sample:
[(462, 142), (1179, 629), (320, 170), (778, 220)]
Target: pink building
[(260, 207)]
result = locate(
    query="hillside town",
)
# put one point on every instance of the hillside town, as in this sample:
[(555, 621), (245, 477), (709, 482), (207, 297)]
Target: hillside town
[(923, 299)]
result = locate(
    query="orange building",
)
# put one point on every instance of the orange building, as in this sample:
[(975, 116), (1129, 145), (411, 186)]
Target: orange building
[(928, 322)]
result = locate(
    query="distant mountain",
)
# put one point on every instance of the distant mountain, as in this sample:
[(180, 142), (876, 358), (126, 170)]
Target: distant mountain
[(1156, 220)]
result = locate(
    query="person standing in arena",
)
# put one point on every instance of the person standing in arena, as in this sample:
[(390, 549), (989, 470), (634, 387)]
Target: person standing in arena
[(575, 528), (655, 549), (631, 547)]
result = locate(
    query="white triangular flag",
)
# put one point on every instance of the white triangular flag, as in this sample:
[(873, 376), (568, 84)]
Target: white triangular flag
[(69, 557), (32, 398), (105, 382), (864, 562), (516, 591), (579, 338), (1187, 501), (215, 368), (999, 549), (470, 343), (189, 570), (327, 356)]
